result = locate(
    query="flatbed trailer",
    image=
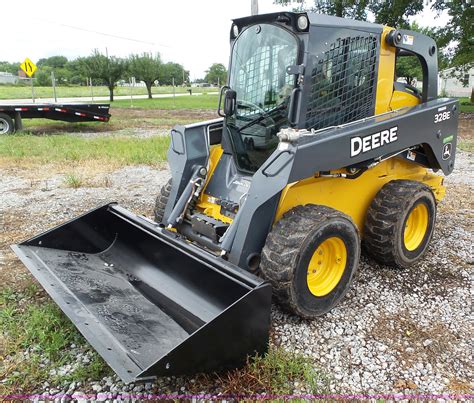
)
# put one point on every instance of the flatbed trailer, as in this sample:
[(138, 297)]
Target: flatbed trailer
[(11, 115)]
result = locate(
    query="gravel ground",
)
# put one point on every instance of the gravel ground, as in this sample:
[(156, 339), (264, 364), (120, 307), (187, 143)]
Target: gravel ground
[(396, 331)]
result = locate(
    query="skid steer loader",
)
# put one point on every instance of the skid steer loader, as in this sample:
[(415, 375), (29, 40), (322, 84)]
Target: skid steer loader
[(318, 149)]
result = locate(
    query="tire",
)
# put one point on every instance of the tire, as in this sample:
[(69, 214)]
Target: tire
[(294, 244), (400, 223), (161, 200), (6, 124)]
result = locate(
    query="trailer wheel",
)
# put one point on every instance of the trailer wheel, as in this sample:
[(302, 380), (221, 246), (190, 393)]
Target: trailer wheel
[(6, 124), (400, 223), (161, 200), (310, 258)]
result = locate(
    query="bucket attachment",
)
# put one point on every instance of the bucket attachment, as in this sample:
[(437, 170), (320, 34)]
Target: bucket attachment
[(148, 302)]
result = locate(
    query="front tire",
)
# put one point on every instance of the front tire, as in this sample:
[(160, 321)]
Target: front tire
[(310, 258), (400, 223), (161, 200)]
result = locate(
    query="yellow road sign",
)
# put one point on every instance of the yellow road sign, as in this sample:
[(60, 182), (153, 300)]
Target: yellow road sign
[(28, 67)]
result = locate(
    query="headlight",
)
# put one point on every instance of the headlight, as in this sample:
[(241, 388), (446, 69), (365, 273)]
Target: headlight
[(302, 23), (235, 30)]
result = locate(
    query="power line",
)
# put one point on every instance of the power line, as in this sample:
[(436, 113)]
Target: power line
[(106, 34)]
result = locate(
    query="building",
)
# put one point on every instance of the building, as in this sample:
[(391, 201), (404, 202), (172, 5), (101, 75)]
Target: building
[(8, 78), (452, 87)]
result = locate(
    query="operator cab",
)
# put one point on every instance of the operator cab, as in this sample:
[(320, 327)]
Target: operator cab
[(260, 57)]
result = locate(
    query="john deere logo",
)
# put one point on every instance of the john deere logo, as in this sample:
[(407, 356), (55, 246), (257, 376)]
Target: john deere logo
[(447, 148), (361, 145)]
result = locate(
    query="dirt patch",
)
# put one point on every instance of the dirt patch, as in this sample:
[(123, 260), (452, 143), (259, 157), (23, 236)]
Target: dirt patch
[(466, 126)]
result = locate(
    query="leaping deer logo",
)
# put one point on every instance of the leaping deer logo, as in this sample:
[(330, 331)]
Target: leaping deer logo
[(447, 151)]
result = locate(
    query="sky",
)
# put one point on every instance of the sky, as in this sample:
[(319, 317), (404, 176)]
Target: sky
[(194, 33)]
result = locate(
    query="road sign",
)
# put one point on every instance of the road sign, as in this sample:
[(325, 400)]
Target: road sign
[(28, 67)]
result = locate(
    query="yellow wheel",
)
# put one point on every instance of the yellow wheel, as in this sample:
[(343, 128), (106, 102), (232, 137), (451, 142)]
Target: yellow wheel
[(416, 225), (400, 223), (310, 258), (326, 267)]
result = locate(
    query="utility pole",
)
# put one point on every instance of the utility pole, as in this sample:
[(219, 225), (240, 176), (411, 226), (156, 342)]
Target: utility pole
[(53, 82), (254, 7)]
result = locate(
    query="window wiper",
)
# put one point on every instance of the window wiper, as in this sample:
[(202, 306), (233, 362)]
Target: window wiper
[(261, 117)]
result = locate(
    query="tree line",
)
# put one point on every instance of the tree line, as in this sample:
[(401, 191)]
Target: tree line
[(109, 70)]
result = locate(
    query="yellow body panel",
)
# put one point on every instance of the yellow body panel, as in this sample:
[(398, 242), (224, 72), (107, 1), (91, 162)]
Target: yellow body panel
[(401, 99), (206, 203), (353, 196), (386, 98), (386, 75)]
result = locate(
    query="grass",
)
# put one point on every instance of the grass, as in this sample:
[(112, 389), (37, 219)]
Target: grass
[(277, 373), (73, 180), (36, 340), (66, 149), (24, 91), (466, 105), (466, 145), (181, 102)]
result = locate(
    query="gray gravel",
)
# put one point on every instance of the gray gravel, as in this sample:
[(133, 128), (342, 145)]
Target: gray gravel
[(396, 331)]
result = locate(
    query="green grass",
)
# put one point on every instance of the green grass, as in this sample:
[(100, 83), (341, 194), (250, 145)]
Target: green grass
[(65, 148), (466, 106), (175, 103), (73, 180), (466, 145), (37, 338), (24, 91), (278, 372)]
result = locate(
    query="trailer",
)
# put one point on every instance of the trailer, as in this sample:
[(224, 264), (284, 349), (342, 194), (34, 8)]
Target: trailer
[(11, 115)]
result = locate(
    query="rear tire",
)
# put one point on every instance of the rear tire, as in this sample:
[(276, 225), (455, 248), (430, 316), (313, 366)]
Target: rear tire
[(6, 124), (310, 257), (161, 200), (400, 223)]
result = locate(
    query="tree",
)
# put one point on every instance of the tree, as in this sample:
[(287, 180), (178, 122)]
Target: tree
[(9, 67), (340, 8), (108, 69), (394, 13), (409, 67), (170, 71), (217, 74), (43, 77), (459, 36), (53, 61), (145, 68)]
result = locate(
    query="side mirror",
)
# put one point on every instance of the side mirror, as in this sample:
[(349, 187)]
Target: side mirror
[(229, 101)]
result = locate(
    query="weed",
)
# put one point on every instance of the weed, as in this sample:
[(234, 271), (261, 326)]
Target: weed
[(73, 181), (466, 105), (278, 372), (36, 337), (466, 145)]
